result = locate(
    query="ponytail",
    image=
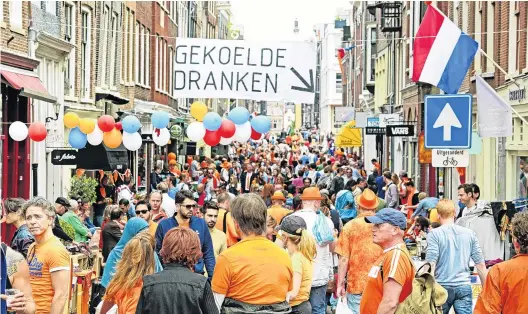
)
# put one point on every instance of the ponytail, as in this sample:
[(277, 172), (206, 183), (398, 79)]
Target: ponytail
[(307, 245)]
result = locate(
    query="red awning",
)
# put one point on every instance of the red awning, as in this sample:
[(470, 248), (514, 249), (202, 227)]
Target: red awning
[(29, 86)]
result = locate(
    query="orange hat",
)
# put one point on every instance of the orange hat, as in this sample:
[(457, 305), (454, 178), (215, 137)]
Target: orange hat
[(171, 156), (278, 195), (311, 194), (367, 200), (172, 162)]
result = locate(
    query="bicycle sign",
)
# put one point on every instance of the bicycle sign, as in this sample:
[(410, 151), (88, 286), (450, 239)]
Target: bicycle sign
[(450, 158)]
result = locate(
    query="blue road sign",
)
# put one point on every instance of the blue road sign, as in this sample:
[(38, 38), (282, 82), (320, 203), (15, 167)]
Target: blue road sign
[(448, 121)]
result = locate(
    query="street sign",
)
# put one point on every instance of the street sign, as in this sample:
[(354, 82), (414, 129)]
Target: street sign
[(386, 119), (448, 121), (373, 122), (241, 69), (400, 130), (361, 119), (63, 157), (374, 131), (450, 158), (344, 114)]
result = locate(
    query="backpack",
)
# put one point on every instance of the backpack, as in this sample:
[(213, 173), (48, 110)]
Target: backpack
[(427, 295), (338, 184)]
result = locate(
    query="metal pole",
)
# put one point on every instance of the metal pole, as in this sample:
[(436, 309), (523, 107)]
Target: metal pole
[(34, 169)]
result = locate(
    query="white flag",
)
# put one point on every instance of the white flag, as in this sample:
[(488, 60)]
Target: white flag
[(494, 114)]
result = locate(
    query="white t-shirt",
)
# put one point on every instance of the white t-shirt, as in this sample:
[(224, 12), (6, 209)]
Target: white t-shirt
[(322, 265), (168, 205)]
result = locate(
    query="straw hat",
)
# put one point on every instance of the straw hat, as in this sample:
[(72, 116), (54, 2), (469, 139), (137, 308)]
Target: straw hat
[(278, 195), (311, 194), (367, 200)]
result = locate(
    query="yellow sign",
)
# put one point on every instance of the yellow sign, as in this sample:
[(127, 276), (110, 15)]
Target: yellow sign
[(349, 136), (425, 156)]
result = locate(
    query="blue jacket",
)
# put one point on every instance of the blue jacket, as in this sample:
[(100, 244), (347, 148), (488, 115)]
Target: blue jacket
[(380, 184), (200, 227)]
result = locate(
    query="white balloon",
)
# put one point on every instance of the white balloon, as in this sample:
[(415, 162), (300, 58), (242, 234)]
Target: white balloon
[(18, 131), (243, 132), (132, 141), (226, 141), (195, 131), (163, 138), (96, 137)]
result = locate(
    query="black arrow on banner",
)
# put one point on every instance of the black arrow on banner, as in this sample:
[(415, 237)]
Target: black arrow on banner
[(308, 87)]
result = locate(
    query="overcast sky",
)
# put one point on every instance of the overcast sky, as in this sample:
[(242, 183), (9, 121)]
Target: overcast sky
[(274, 19)]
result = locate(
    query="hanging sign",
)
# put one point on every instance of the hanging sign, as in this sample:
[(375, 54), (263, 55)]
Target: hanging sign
[(425, 155), (64, 157), (450, 158), (240, 69), (374, 131), (400, 130)]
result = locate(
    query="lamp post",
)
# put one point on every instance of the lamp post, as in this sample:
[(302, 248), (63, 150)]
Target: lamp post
[(56, 108)]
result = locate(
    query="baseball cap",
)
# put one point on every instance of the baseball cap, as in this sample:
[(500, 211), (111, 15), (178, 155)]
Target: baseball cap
[(63, 201), (390, 216), (293, 225)]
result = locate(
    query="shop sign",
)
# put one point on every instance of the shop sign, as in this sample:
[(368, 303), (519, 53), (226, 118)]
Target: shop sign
[(64, 157), (450, 158), (425, 155), (374, 131), (386, 119), (400, 130), (517, 94), (373, 122)]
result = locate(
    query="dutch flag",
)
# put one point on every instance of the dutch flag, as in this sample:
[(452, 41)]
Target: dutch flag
[(442, 52)]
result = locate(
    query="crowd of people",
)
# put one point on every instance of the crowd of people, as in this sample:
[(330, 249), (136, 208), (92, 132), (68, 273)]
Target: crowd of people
[(271, 227)]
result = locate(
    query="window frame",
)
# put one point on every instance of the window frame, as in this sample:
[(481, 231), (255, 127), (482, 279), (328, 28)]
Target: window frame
[(16, 21), (104, 40), (85, 91), (71, 62), (114, 22)]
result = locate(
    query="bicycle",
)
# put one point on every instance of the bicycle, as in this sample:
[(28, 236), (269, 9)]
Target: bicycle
[(451, 161)]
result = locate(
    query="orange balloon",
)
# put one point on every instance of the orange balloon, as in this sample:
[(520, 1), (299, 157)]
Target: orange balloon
[(113, 138), (172, 162), (171, 156)]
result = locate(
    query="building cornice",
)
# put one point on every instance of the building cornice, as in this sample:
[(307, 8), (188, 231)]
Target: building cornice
[(18, 60), (49, 41)]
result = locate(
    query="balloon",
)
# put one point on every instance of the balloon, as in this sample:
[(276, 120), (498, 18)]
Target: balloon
[(261, 124), (212, 121), (77, 139), (195, 131), (163, 138), (226, 141), (71, 120), (37, 131), (119, 126), (171, 156), (87, 126), (243, 132), (96, 137), (18, 131), (255, 135), (198, 110), (227, 129), (131, 124), (160, 119), (239, 115), (112, 139), (132, 141), (106, 123), (212, 138), (172, 162)]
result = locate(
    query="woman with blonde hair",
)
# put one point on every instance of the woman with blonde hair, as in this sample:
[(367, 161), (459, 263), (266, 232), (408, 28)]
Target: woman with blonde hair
[(301, 247), (125, 288)]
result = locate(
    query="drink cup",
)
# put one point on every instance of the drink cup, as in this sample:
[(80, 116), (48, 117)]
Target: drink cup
[(10, 293)]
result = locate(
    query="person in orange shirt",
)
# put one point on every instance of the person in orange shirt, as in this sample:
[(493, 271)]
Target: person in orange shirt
[(390, 279), (225, 221), (506, 288), (125, 288), (276, 210), (357, 251), (143, 210)]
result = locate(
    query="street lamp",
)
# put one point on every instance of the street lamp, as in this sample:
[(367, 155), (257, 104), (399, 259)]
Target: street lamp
[(56, 108)]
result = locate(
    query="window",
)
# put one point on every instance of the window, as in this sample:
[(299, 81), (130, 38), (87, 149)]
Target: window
[(171, 70), (15, 15), (104, 40), (113, 44), (339, 83), (141, 53), (85, 52), (156, 57), (489, 34), (163, 65), (124, 54), (147, 58), (51, 7), (1, 12), (518, 33), (512, 40), (182, 19), (131, 41), (137, 52), (69, 36), (371, 55)]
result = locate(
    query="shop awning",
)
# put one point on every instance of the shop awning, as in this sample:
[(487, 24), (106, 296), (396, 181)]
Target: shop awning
[(101, 157), (114, 97), (30, 86), (349, 135)]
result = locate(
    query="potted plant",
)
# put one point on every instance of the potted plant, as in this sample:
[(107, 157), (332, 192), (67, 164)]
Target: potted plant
[(83, 187)]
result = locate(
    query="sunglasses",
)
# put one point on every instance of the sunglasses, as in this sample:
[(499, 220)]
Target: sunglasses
[(141, 211), (191, 206)]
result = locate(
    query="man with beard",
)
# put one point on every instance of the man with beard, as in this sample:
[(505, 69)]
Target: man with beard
[(155, 201), (210, 214), (144, 210)]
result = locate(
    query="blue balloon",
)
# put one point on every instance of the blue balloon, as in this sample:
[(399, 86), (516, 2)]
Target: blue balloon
[(212, 121), (77, 139), (160, 119), (131, 124), (239, 115), (261, 124)]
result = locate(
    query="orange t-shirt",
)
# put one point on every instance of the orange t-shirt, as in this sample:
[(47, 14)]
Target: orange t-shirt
[(253, 271), (44, 259), (231, 233), (278, 212), (355, 243), (127, 301), (505, 289), (395, 263), (152, 228)]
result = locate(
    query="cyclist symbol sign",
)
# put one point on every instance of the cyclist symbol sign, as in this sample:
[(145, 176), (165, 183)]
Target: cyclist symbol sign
[(450, 158)]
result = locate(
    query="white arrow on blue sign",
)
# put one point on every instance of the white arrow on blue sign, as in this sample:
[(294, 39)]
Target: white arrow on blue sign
[(448, 121)]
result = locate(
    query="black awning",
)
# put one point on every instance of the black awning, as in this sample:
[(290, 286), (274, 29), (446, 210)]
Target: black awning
[(101, 157), (115, 98)]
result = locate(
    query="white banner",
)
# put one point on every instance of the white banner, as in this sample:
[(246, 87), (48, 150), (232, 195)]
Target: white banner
[(213, 68), (494, 114), (450, 158), (387, 119)]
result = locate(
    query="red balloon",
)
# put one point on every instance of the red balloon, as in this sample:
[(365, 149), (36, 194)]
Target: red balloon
[(255, 135), (106, 123), (212, 138), (119, 126), (37, 131), (227, 129)]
